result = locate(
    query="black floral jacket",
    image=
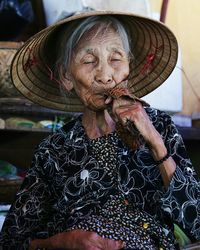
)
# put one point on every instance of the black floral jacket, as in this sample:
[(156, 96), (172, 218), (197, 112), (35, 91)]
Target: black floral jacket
[(64, 184)]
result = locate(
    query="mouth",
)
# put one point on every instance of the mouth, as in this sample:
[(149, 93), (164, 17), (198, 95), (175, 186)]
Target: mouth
[(107, 95)]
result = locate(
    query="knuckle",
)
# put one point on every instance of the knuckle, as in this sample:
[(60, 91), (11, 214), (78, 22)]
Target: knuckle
[(91, 235)]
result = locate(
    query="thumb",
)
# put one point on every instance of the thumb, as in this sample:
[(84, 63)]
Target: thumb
[(119, 244), (108, 244)]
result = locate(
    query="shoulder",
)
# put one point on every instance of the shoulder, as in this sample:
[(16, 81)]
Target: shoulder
[(152, 112), (162, 122), (59, 138), (158, 116), (61, 149), (165, 126)]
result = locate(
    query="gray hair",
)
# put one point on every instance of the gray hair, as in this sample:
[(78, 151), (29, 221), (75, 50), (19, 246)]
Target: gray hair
[(69, 41)]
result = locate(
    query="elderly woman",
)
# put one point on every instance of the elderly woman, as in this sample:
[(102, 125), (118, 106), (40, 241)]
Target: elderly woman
[(117, 176)]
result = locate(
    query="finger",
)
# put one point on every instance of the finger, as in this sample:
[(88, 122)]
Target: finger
[(124, 115), (96, 241), (132, 108), (112, 244), (122, 103), (92, 248), (101, 243), (135, 111)]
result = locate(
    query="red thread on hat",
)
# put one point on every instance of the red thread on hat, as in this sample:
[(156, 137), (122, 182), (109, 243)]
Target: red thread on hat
[(51, 76), (31, 61), (149, 61)]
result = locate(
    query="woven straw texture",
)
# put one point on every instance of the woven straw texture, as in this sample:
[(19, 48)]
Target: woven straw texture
[(153, 45), (7, 52)]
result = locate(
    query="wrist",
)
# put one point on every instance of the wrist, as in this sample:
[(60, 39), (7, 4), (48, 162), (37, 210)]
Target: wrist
[(159, 151), (165, 158), (156, 145)]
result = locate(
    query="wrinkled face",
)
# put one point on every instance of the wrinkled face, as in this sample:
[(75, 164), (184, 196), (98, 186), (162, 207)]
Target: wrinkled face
[(99, 63)]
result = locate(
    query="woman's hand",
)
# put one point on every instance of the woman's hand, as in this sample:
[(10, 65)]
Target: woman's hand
[(124, 109), (77, 240)]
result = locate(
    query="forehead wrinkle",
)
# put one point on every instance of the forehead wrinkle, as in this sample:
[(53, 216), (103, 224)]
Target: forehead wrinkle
[(94, 45), (84, 50), (118, 48)]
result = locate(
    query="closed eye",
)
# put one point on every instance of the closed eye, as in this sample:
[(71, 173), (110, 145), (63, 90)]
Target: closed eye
[(89, 62), (89, 59), (115, 60)]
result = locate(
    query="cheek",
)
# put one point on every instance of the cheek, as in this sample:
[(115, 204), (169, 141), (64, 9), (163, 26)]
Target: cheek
[(83, 78), (82, 87), (121, 73)]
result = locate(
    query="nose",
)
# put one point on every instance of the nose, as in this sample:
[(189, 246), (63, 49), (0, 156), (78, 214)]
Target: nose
[(104, 75)]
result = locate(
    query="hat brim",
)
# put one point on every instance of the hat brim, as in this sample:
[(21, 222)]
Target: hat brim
[(153, 45)]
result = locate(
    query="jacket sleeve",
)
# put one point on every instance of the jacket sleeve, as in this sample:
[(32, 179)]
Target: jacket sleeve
[(29, 213), (182, 198)]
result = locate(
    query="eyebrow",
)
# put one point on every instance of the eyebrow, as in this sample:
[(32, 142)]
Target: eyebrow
[(116, 48), (113, 49), (89, 50)]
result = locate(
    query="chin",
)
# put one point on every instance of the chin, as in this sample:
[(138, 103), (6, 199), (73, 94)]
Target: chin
[(97, 109), (97, 106)]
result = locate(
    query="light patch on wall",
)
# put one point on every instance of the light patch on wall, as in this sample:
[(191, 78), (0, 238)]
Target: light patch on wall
[(140, 7), (55, 10), (168, 96)]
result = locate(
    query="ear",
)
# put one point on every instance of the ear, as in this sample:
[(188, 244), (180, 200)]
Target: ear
[(66, 80), (67, 84)]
